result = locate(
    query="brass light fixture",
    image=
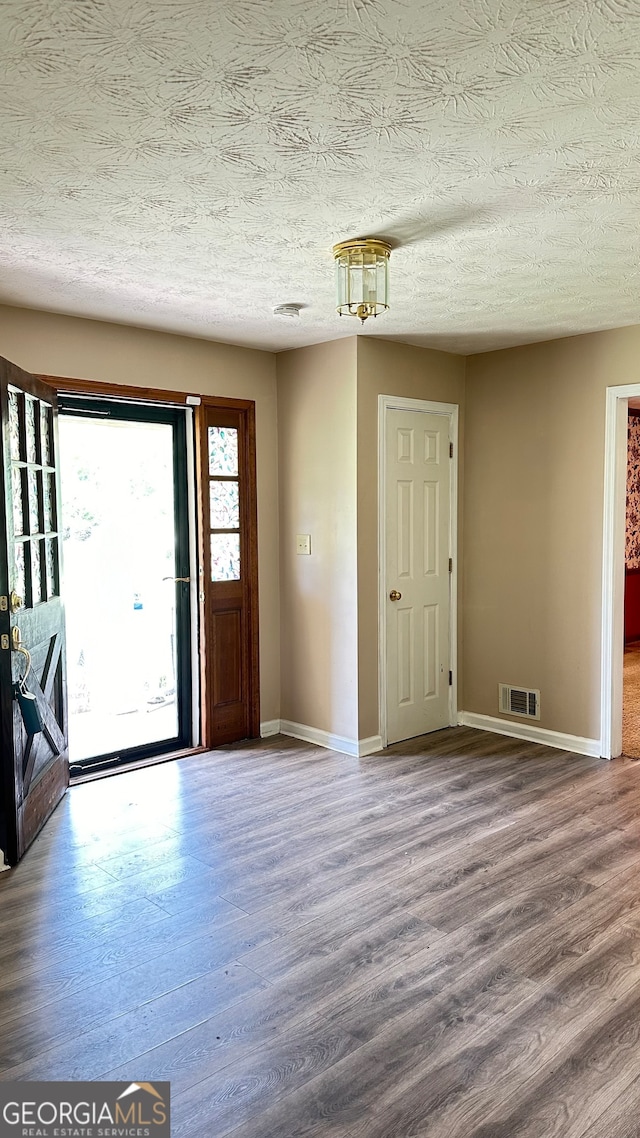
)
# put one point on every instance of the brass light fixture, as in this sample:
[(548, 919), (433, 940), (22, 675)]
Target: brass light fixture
[(362, 276)]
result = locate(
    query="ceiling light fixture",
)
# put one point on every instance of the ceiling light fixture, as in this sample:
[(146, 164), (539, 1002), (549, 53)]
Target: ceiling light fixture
[(362, 276)]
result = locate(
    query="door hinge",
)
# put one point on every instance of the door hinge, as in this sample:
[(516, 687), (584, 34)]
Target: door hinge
[(450, 678), (450, 450), (4, 604), (451, 564), (4, 642)]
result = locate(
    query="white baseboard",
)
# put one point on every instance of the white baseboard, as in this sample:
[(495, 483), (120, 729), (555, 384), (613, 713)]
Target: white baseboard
[(357, 748), (270, 727), (576, 743), (369, 746)]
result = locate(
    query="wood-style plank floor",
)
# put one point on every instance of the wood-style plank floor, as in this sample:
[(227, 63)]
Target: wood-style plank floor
[(442, 939)]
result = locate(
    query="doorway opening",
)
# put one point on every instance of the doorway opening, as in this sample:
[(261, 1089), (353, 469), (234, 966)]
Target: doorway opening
[(614, 558), (631, 668), (162, 607), (127, 574)]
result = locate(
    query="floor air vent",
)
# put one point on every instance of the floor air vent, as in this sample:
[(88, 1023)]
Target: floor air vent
[(519, 701)]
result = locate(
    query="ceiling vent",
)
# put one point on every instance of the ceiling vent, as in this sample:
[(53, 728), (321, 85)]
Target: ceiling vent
[(519, 701)]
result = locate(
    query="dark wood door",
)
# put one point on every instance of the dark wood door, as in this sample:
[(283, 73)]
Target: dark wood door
[(230, 570), (34, 762)]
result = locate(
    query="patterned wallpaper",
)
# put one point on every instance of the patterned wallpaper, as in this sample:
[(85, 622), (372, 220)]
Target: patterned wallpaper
[(632, 551), (188, 164)]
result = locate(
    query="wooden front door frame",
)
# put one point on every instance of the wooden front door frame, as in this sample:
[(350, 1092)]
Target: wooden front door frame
[(199, 403)]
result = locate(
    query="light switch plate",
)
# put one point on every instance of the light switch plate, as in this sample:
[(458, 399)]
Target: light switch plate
[(303, 543)]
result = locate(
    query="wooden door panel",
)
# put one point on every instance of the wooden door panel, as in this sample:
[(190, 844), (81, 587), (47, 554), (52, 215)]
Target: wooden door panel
[(230, 585), (44, 681), (226, 638), (34, 766), (43, 799)]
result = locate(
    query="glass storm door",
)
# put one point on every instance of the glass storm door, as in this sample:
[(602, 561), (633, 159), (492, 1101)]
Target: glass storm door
[(127, 595), (33, 747)]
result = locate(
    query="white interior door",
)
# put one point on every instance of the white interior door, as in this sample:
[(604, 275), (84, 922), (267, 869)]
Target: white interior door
[(417, 572)]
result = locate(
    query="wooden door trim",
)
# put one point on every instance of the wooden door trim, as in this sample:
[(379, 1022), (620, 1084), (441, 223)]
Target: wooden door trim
[(122, 391), (228, 404), (145, 394), (252, 559), (451, 410), (203, 643)]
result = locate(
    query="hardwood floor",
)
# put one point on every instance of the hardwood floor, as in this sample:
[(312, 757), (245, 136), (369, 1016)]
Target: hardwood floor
[(442, 939), (631, 700)]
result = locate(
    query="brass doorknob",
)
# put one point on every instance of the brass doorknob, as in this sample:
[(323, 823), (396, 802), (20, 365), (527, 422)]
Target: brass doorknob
[(394, 595), (15, 602)]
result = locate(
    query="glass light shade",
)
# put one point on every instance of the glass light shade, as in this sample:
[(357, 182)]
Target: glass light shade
[(362, 277)]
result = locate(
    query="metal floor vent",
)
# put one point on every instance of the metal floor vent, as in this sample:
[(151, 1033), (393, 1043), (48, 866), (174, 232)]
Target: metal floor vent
[(519, 701)]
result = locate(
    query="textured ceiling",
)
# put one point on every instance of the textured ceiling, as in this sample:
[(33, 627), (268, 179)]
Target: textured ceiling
[(187, 165)]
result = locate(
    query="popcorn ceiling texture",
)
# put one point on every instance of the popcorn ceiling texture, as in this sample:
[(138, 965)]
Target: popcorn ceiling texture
[(188, 165)]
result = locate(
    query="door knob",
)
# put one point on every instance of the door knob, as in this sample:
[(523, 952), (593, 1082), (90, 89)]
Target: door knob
[(15, 602), (394, 595)]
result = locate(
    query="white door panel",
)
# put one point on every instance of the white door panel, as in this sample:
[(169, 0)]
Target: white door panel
[(417, 500)]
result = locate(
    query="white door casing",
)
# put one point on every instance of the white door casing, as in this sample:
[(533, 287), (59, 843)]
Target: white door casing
[(417, 540), (613, 567)]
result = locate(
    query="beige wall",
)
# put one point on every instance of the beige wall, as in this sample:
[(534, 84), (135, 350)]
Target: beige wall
[(389, 368), (317, 447), (533, 522), (90, 349), (532, 496)]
